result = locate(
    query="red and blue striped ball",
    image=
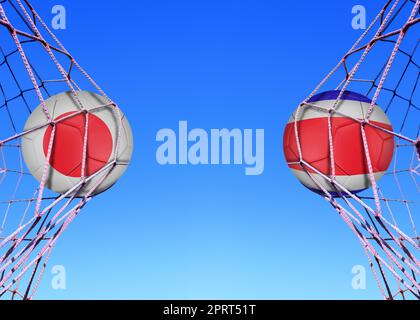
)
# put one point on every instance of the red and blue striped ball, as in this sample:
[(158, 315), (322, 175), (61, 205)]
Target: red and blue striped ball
[(351, 167)]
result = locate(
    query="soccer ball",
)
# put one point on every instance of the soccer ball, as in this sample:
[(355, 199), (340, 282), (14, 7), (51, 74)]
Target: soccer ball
[(109, 143), (349, 154)]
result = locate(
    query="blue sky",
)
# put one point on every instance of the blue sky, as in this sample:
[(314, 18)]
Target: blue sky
[(208, 232)]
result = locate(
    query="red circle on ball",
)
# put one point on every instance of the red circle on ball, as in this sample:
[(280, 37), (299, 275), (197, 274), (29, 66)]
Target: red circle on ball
[(67, 149)]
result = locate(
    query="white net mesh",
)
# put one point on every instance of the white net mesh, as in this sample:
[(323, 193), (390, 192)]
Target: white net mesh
[(34, 65), (383, 65)]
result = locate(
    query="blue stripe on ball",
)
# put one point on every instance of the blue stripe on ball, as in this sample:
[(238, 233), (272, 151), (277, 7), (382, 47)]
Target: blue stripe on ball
[(336, 194), (333, 95)]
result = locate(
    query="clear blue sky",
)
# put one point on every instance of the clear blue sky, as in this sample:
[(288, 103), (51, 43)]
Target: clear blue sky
[(208, 232)]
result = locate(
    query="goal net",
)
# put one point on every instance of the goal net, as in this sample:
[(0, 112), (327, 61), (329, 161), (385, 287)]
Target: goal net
[(34, 65), (384, 65)]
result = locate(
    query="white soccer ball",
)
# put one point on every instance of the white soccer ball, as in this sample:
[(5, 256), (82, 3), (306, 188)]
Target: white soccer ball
[(350, 159), (108, 150)]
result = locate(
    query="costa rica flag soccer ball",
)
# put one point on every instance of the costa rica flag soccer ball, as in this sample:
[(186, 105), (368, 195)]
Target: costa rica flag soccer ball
[(350, 161), (109, 139)]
